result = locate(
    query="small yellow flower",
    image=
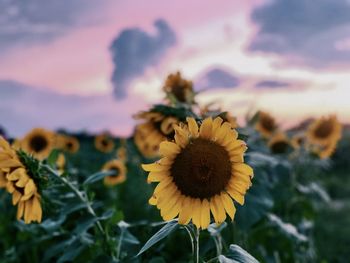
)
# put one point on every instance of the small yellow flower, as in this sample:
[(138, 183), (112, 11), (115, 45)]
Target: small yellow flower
[(38, 142), (324, 131), (69, 144), (16, 180), (298, 141), (200, 174), (266, 124), (120, 172), (104, 143)]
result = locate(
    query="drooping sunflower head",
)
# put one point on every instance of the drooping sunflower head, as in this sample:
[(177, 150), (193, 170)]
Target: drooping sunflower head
[(324, 131), (279, 143), (266, 124), (104, 143), (157, 127), (200, 173), (38, 142), (20, 184), (119, 170), (180, 89)]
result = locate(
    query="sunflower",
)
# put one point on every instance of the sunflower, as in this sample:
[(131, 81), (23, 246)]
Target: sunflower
[(122, 154), (69, 144), (61, 162), (298, 141), (266, 124), (156, 128), (104, 143), (200, 172), (120, 172), (279, 143), (20, 184), (180, 89), (38, 142), (324, 131)]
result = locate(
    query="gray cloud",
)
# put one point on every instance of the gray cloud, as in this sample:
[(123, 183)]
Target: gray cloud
[(304, 29), (30, 21), (272, 84), (134, 50), (216, 78)]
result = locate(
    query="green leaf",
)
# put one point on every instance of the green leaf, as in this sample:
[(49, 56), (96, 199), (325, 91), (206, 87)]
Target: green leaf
[(215, 230), (52, 159), (71, 252), (97, 177), (237, 255), (170, 227)]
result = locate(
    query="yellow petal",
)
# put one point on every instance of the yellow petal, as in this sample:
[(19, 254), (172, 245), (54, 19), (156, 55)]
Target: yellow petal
[(152, 167), (222, 132), (192, 126), (164, 184), (20, 210), (216, 124), (172, 212), (196, 213), (243, 168), (28, 209), (156, 176), (152, 200), (205, 214), (238, 197), (30, 187), (181, 137), (9, 187), (228, 205), (168, 149), (206, 128), (166, 196), (185, 211), (37, 211), (217, 209), (23, 180), (16, 174), (16, 196)]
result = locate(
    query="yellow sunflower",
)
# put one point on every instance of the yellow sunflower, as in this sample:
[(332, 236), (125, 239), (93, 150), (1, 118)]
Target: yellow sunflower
[(120, 172), (179, 88), (156, 128), (298, 141), (18, 182), (200, 173), (61, 163), (266, 124), (279, 143), (38, 142), (104, 143), (324, 131), (69, 144)]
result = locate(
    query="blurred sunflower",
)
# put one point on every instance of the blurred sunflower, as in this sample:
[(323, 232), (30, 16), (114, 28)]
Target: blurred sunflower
[(279, 143), (20, 184), (266, 124), (180, 89), (298, 140), (38, 142), (120, 172), (156, 128), (201, 172), (226, 116), (122, 154), (69, 144), (61, 162), (324, 131), (104, 143)]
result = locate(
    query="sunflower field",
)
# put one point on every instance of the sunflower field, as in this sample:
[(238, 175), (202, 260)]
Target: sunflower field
[(190, 185)]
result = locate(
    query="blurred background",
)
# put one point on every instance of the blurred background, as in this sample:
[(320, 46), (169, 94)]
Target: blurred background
[(90, 65)]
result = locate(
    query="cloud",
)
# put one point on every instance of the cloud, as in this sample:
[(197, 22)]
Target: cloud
[(216, 78), (272, 84), (24, 107), (304, 30), (134, 50), (30, 21)]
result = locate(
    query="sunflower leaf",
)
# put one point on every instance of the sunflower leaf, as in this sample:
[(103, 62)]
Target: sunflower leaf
[(170, 227), (97, 177), (237, 255)]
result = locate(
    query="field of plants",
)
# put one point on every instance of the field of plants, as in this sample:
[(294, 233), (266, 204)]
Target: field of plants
[(190, 185)]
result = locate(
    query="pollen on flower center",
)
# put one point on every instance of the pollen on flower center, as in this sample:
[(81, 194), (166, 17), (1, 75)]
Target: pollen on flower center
[(38, 143), (202, 169)]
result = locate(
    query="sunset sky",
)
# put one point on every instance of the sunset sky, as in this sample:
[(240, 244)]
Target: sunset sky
[(85, 64)]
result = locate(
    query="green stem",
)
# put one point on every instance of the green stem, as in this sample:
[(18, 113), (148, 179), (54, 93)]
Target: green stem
[(120, 243), (196, 245)]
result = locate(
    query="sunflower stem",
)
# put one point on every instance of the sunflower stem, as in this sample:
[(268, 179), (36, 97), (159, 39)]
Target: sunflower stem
[(196, 245)]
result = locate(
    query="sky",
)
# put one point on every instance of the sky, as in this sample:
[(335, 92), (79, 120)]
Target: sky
[(90, 65)]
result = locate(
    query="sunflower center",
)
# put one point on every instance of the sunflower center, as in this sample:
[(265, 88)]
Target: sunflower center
[(268, 123), (324, 129), (279, 147), (116, 172), (179, 92), (69, 145), (38, 143), (202, 169), (104, 142)]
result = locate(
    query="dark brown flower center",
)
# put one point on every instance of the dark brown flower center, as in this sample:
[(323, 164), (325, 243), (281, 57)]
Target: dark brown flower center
[(105, 142), (202, 169), (179, 91), (38, 143), (69, 145), (324, 129), (268, 123), (116, 171), (280, 147)]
